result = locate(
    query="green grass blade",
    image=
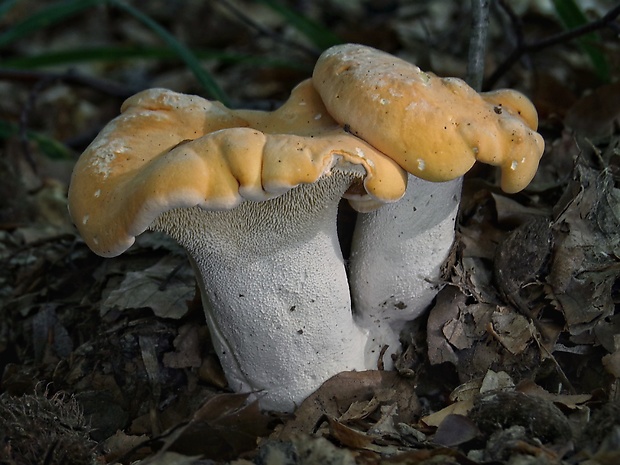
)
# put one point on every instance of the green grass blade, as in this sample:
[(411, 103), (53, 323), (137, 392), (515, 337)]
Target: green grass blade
[(50, 147), (204, 78), (112, 53), (44, 18), (572, 17), (319, 35)]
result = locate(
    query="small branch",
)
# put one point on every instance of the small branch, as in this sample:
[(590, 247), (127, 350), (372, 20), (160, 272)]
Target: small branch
[(24, 119), (517, 24), (523, 47), (70, 77), (266, 32), (477, 42)]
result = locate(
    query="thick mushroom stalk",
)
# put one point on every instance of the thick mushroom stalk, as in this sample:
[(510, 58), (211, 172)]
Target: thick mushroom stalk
[(253, 198), (396, 258), (436, 129), (274, 290)]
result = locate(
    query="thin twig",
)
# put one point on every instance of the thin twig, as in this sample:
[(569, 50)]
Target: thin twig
[(24, 118), (477, 42), (266, 32), (515, 20), (70, 77), (523, 47)]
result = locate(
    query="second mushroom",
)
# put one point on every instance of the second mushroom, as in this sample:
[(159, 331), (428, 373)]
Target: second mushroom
[(253, 198)]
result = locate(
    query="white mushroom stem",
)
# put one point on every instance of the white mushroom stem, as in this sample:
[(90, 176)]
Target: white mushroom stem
[(274, 290), (396, 258)]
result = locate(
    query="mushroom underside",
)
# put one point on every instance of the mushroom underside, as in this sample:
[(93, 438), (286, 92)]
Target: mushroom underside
[(275, 290), (276, 293)]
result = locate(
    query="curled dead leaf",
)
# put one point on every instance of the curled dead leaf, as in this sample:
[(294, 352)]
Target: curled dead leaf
[(336, 396)]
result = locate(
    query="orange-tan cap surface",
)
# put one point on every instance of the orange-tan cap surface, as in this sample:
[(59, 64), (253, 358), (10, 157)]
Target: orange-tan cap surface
[(169, 150), (435, 128)]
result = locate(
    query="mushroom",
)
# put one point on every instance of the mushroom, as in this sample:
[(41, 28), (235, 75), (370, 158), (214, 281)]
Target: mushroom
[(252, 196), (436, 129)]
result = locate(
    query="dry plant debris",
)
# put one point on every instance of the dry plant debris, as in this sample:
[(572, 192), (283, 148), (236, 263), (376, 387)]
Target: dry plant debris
[(530, 316), (44, 428)]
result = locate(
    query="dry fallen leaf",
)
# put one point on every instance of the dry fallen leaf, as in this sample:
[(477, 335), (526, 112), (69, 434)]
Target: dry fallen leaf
[(520, 259), (164, 287), (336, 395), (587, 243), (494, 381), (513, 331), (48, 334), (347, 436), (446, 309), (465, 395), (120, 443), (458, 408), (611, 362), (454, 430), (225, 426), (595, 115), (303, 450), (188, 348), (569, 401)]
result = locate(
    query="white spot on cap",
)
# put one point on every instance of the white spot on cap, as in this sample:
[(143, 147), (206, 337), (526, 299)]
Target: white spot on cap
[(384, 101), (318, 116), (421, 164), (85, 219), (425, 77), (171, 99), (97, 193), (105, 152), (514, 164), (361, 154)]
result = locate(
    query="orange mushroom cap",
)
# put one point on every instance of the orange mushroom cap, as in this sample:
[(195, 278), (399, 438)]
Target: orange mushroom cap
[(435, 128), (168, 150)]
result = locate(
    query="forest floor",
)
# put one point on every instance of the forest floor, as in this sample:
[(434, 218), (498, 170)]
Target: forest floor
[(109, 360)]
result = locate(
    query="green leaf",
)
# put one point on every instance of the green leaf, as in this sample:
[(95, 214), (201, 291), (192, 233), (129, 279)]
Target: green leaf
[(114, 54), (319, 35), (50, 147), (204, 78), (572, 17), (44, 18), (59, 12)]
